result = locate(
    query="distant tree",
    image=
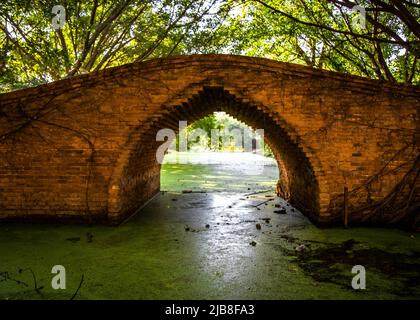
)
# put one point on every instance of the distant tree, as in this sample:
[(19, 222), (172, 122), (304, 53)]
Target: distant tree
[(207, 124)]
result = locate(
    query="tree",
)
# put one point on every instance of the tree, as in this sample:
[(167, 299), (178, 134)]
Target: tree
[(323, 34), (97, 34), (103, 33)]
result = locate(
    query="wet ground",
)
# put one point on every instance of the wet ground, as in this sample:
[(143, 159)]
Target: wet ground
[(226, 238)]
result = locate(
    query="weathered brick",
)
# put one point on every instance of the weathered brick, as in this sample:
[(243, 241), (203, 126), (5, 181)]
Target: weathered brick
[(91, 153)]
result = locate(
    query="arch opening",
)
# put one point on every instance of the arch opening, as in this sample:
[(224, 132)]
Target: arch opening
[(137, 179), (219, 153)]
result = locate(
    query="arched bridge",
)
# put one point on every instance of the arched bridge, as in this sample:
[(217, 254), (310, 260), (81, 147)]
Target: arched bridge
[(84, 148)]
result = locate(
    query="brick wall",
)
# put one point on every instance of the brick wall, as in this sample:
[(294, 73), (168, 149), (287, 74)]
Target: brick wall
[(84, 148)]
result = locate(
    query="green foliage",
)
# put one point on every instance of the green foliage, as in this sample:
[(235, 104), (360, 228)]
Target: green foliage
[(225, 125), (97, 34), (103, 33), (323, 34), (207, 124)]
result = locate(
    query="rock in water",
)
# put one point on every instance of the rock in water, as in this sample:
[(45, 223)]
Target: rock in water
[(300, 248), (281, 211), (89, 237), (75, 239)]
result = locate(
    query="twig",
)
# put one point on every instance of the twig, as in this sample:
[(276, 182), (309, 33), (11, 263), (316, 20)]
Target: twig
[(257, 192), (78, 288), (6, 277), (36, 288), (257, 205)]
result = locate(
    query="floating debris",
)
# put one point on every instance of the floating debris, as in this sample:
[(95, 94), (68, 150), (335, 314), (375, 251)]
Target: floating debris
[(281, 211), (89, 237), (258, 226), (257, 192), (264, 202), (253, 243), (300, 248), (75, 239)]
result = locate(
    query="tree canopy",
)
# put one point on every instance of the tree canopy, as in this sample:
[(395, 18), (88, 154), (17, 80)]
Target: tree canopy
[(373, 38)]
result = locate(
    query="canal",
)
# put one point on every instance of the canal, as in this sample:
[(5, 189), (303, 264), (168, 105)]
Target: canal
[(215, 231)]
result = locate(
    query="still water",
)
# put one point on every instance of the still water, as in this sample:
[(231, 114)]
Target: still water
[(212, 233)]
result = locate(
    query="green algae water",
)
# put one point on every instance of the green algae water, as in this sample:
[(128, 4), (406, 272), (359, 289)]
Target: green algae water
[(198, 239)]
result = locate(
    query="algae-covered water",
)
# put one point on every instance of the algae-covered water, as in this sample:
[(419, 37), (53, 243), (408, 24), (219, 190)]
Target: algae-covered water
[(219, 239)]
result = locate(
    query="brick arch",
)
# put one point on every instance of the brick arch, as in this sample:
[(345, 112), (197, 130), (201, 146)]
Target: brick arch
[(136, 177), (65, 146)]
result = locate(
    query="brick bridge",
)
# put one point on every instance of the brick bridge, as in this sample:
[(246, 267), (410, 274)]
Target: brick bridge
[(84, 148)]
